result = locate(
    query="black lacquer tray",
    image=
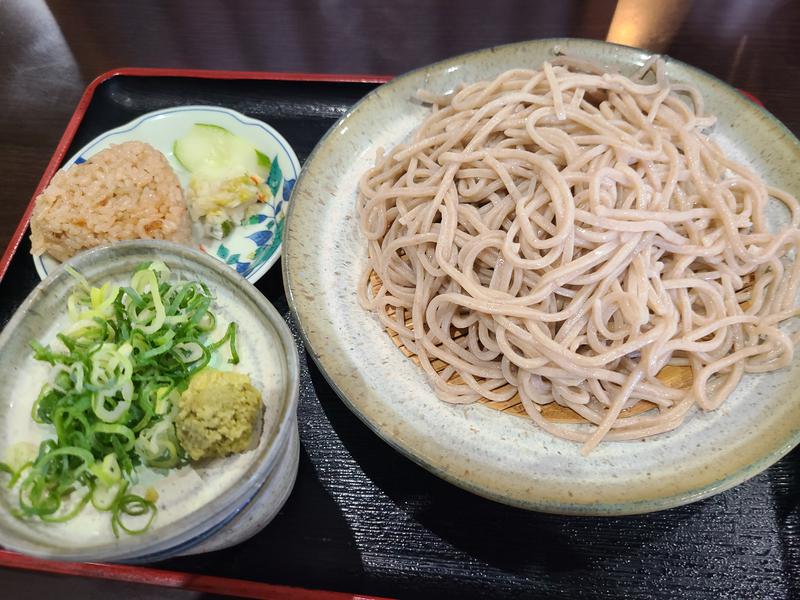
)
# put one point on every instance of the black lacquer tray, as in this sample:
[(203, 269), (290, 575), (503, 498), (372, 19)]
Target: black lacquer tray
[(364, 520)]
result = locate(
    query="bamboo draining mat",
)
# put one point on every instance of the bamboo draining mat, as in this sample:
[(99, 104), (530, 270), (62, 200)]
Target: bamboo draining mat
[(677, 377)]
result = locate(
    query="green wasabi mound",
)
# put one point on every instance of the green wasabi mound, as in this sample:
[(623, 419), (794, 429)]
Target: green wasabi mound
[(217, 414)]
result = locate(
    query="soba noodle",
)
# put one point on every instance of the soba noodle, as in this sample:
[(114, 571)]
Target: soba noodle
[(564, 234)]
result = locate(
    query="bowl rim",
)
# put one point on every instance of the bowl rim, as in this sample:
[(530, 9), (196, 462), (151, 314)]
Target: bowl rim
[(131, 125), (196, 525), (384, 430)]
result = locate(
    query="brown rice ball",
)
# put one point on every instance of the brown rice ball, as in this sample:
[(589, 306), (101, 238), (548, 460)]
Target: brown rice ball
[(125, 192)]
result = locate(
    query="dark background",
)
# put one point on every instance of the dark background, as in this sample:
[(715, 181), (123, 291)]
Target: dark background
[(362, 518), (49, 51)]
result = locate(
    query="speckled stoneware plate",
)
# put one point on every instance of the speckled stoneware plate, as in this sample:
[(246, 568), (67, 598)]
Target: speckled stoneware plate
[(500, 456), (254, 245), (202, 506)]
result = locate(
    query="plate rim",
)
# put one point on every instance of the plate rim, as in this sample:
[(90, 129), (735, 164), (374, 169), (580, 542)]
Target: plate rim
[(681, 497), (131, 125)]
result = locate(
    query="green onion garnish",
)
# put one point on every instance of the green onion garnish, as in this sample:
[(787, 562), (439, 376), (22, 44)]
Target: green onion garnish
[(117, 372)]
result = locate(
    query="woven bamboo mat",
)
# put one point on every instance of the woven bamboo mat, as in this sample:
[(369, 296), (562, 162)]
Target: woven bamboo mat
[(677, 377)]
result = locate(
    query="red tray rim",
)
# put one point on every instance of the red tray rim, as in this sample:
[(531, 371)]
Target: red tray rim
[(88, 93), (210, 584), (145, 575)]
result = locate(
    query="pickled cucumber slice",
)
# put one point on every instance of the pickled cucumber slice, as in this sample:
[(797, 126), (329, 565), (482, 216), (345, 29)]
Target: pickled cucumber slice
[(211, 149)]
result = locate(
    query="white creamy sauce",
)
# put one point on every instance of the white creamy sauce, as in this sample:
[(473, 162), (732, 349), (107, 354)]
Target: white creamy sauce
[(180, 491)]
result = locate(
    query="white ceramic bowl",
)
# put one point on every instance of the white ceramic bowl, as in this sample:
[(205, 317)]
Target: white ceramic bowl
[(251, 249), (242, 492)]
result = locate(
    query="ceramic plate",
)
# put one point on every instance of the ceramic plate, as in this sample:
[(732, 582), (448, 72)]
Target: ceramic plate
[(501, 456), (253, 247)]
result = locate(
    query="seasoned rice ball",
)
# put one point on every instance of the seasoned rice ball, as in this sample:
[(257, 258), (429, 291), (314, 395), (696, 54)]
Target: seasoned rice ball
[(125, 192)]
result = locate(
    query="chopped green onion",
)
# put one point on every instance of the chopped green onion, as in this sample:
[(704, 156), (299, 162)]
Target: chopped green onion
[(118, 370), (131, 505), (230, 336)]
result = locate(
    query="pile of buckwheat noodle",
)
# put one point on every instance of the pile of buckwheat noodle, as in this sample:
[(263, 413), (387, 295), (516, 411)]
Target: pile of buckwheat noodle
[(563, 234)]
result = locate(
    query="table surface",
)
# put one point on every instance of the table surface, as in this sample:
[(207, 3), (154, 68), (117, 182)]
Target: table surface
[(49, 51)]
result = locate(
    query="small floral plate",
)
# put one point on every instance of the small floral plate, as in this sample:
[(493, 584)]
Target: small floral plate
[(255, 245)]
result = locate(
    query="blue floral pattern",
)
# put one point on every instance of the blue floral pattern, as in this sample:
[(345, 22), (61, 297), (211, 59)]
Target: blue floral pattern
[(262, 233)]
